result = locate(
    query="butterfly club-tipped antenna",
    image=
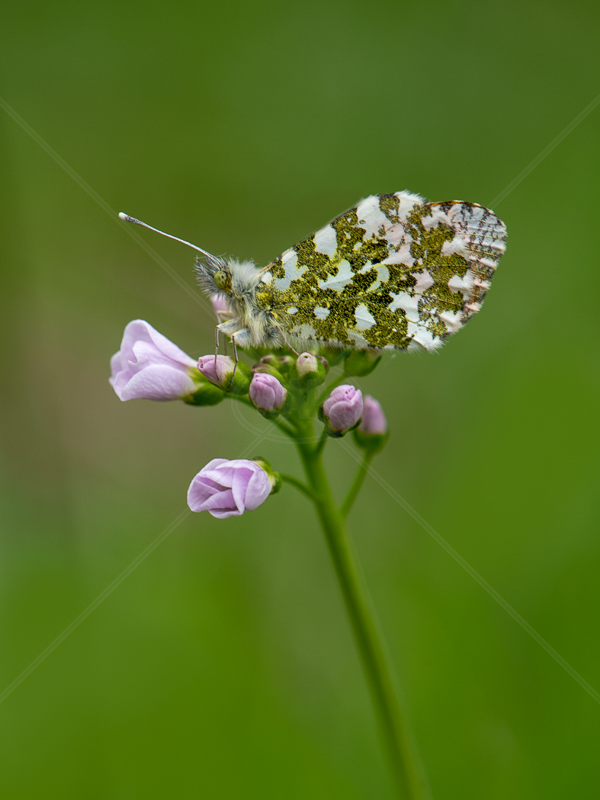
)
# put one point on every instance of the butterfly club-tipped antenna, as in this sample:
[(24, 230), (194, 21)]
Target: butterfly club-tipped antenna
[(213, 263), (211, 260)]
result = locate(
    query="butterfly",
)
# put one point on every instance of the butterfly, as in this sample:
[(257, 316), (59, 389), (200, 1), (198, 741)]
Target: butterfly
[(392, 273)]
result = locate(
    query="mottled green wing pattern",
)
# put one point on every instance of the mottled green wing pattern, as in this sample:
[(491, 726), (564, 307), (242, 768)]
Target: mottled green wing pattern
[(394, 272)]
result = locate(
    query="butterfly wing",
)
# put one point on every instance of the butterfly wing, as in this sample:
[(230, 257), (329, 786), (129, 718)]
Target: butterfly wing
[(393, 272)]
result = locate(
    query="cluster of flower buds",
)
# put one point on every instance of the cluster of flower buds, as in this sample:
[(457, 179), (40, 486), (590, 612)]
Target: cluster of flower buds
[(150, 366)]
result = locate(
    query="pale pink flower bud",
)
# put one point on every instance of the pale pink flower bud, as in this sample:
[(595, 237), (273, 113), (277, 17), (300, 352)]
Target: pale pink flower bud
[(219, 305), (228, 488), (372, 433), (266, 392), (219, 371), (149, 366), (306, 363), (216, 370), (373, 418), (311, 370), (343, 408)]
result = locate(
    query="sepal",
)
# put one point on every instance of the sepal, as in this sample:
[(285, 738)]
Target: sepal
[(206, 394), (361, 362), (371, 442), (274, 477), (333, 432)]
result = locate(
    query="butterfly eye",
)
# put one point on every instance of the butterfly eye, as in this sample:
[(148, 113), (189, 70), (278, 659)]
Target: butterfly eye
[(221, 279)]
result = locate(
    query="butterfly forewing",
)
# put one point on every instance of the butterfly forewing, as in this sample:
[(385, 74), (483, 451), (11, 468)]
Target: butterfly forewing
[(392, 272)]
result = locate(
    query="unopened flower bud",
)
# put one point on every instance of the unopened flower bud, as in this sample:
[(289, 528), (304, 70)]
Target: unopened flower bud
[(361, 362), (220, 306), (311, 370), (372, 433), (286, 363), (267, 394), (268, 361), (219, 371), (268, 365), (228, 488), (342, 410)]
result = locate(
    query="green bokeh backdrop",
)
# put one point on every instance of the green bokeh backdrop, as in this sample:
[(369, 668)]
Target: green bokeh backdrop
[(223, 666)]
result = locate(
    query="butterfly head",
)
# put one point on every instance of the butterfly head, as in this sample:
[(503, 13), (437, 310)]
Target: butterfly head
[(221, 279), (213, 274)]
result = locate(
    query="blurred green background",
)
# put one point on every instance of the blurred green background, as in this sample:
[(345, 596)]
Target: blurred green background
[(223, 667)]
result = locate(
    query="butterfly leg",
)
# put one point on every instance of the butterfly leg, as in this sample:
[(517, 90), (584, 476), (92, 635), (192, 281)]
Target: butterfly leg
[(223, 316), (235, 361), (285, 343), (235, 353), (237, 335), (289, 347), (217, 332), (216, 346)]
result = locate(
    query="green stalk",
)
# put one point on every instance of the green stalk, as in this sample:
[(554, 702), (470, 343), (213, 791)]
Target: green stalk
[(298, 484), (358, 482), (365, 631)]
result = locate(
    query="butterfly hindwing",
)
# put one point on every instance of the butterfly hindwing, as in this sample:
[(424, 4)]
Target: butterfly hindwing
[(393, 272)]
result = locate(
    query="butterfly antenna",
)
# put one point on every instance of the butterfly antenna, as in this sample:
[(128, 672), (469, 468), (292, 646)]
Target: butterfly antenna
[(135, 221)]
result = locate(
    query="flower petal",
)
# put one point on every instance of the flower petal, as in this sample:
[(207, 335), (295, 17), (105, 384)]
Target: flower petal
[(259, 488), (140, 330), (241, 479), (156, 382)]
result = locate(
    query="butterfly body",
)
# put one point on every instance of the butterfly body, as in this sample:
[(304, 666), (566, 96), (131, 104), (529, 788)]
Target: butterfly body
[(394, 272)]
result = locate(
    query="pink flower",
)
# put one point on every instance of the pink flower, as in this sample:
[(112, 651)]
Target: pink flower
[(216, 370), (343, 408), (373, 418), (149, 366), (266, 392), (228, 488)]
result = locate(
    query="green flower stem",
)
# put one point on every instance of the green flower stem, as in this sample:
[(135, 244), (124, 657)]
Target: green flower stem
[(321, 443), (283, 426), (240, 398), (302, 487), (365, 631), (358, 482), (289, 431)]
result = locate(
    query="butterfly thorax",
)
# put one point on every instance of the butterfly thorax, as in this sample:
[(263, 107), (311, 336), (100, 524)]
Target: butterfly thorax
[(250, 321)]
